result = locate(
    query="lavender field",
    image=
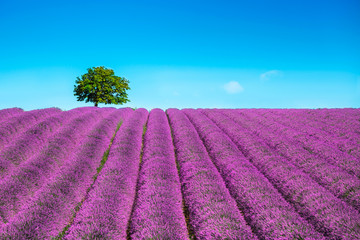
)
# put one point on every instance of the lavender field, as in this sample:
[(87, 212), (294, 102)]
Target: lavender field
[(106, 173)]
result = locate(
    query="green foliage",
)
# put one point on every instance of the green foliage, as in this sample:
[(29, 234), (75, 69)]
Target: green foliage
[(100, 85)]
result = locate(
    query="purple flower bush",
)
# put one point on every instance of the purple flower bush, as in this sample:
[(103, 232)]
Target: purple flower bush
[(339, 182), (338, 130), (19, 123), (26, 178), (106, 173), (264, 208), (334, 121), (32, 141), (328, 214), (317, 145), (9, 112), (158, 211), (213, 213), (49, 210), (106, 211)]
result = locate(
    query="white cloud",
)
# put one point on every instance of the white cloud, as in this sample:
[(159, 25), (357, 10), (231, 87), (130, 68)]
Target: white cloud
[(269, 74), (233, 87)]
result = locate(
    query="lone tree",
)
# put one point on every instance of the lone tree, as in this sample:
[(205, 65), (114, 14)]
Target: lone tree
[(100, 85)]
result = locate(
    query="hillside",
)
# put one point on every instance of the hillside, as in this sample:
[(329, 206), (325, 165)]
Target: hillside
[(106, 173)]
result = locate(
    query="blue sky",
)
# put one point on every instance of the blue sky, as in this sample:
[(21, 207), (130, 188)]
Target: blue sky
[(184, 54)]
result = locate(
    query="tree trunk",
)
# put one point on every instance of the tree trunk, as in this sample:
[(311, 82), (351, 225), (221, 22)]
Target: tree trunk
[(96, 104)]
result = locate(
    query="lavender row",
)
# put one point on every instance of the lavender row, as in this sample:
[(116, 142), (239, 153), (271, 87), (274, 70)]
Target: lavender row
[(9, 112), (264, 208), (106, 211), (346, 132), (342, 184), (14, 126), (158, 207), (324, 146), (346, 140), (213, 213), (314, 118), (340, 118), (17, 186), (32, 141), (328, 214), (316, 146), (50, 209)]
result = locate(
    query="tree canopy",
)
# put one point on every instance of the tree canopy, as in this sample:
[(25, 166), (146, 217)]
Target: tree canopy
[(100, 85)]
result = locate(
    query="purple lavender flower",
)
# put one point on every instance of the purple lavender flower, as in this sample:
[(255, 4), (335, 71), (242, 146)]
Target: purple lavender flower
[(324, 149), (330, 176), (50, 209), (13, 126), (31, 142), (328, 214), (106, 211), (158, 207), (9, 112), (25, 179), (204, 174), (264, 208), (213, 213)]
